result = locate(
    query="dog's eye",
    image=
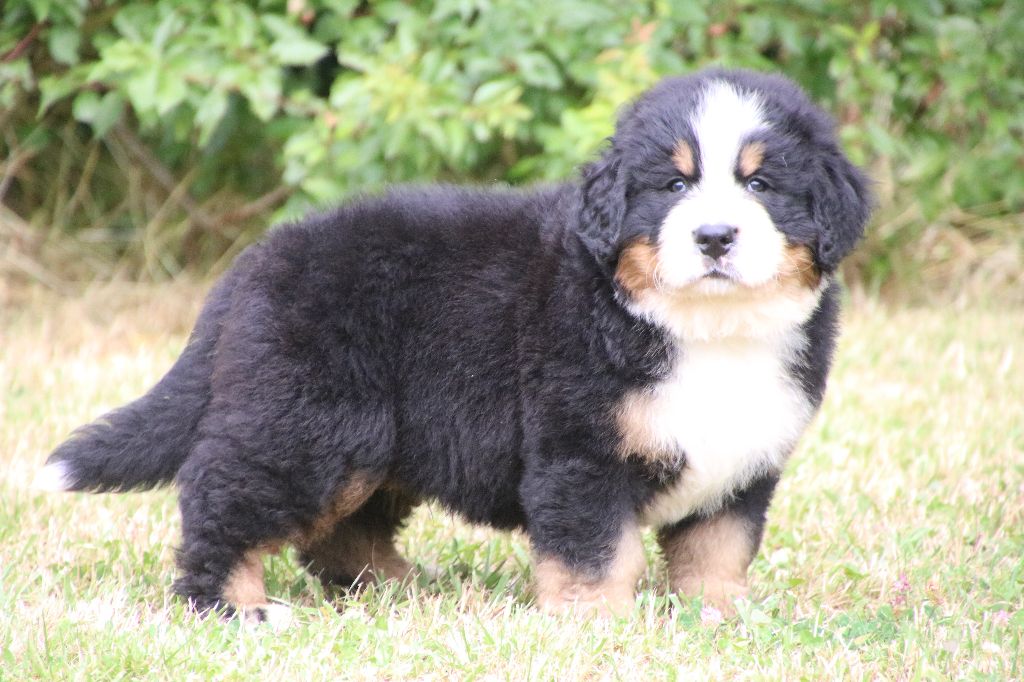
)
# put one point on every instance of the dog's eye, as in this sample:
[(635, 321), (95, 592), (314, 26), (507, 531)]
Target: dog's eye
[(677, 185), (757, 185)]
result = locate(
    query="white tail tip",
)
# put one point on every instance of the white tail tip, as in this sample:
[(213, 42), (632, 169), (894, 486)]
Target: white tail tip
[(53, 478)]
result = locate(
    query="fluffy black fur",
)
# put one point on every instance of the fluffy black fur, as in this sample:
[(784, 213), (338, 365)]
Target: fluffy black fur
[(463, 345)]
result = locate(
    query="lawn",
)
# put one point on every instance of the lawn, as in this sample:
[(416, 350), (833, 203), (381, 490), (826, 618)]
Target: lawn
[(895, 547)]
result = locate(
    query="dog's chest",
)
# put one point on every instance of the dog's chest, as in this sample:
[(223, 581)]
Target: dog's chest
[(729, 412)]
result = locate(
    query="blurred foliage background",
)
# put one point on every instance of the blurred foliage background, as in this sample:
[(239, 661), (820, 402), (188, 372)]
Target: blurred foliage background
[(141, 138)]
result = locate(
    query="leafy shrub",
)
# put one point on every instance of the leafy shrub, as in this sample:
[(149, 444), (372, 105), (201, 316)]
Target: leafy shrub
[(170, 131)]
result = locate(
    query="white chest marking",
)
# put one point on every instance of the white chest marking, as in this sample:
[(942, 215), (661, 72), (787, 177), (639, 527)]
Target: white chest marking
[(731, 408)]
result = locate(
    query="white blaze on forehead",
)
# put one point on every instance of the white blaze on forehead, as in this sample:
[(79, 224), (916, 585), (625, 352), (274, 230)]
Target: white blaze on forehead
[(724, 120)]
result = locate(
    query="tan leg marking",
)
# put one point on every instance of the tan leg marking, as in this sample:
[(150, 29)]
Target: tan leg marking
[(346, 500), (751, 158), (682, 157), (559, 589), (357, 552), (710, 557), (362, 547), (244, 587), (244, 590)]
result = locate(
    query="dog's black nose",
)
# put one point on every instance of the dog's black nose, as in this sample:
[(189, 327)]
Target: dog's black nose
[(714, 241)]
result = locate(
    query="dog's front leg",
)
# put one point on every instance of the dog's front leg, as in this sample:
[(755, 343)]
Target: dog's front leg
[(709, 555), (586, 542)]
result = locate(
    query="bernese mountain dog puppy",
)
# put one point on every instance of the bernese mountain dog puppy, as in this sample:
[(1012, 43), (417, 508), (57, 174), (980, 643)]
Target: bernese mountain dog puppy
[(639, 348)]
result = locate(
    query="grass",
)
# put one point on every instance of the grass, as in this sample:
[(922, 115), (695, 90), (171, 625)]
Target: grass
[(894, 548)]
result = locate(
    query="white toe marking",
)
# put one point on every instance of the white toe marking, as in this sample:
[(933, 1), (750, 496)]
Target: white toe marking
[(279, 616)]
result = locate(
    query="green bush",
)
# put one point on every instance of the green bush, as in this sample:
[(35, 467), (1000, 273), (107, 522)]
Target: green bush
[(167, 131)]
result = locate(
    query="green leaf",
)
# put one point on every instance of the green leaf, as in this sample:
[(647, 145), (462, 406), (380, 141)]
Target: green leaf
[(209, 113), (64, 42), (297, 52), (101, 113), (494, 91), (141, 90), (171, 89), (85, 105), (55, 88), (108, 113), (292, 45), (41, 9), (537, 69), (263, 92), (15, 76), (134, 19), (166, 30), (323, 189), (237, 23), (122, 55)]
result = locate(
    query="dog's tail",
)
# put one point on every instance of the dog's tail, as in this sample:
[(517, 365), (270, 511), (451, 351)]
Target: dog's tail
[(143, 444)]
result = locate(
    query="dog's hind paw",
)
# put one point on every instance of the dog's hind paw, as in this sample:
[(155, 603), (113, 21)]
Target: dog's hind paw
[(277, 616)]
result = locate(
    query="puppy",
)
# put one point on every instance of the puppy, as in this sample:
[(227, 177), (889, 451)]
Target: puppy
[(639, 348)]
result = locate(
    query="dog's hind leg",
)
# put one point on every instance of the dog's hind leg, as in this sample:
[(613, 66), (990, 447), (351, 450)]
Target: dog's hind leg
[(232, 514), (361, 546)]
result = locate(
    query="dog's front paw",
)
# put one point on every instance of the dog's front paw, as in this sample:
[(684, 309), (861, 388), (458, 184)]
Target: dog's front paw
[(587, 604), (719, 593)]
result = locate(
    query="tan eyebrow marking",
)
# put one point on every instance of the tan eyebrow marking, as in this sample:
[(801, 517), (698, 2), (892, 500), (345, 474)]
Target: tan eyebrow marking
[(682, 157), (751, 158)]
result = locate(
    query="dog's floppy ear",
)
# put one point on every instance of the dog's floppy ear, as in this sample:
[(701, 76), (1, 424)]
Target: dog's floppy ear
[(601, 205), (840, 203)]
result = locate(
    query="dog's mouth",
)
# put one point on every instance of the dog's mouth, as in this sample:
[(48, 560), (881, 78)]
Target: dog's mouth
[(717, 279), (716, 270), (718, 273)]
